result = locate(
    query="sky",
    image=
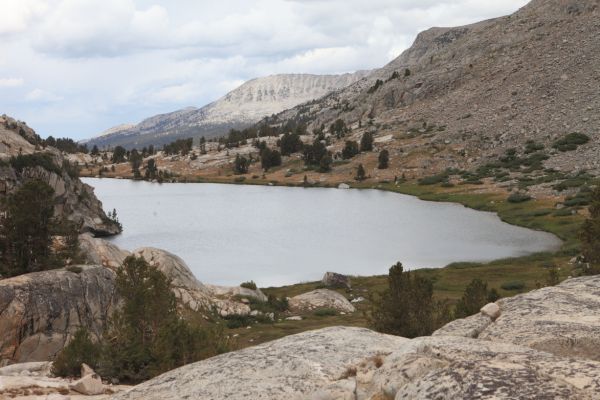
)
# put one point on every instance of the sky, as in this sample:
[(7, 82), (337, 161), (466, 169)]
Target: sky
[(73, 68)]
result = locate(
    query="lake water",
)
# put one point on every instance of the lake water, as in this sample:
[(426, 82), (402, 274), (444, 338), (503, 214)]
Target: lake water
[(229, 234)]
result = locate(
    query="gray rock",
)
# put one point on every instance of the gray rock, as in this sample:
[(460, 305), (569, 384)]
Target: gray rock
[(101, 252), (40, 311), (90, 385), (562, 320), (35, 368), (320, 298), (335, 280), (290, 368), (355, 363), (491, 310), (86, 370)]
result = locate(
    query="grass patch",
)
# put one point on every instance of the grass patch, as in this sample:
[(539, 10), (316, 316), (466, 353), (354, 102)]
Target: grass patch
[(325, 312), (513, 285)]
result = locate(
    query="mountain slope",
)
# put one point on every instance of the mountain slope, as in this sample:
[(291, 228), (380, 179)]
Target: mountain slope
[(243, 106), (475, 91)]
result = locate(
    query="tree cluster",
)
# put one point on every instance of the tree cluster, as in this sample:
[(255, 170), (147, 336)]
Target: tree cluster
[(66, 145), (269, 158), (179, 146), (241, 165), (27, 225), (290, 143), (316, 154), (407, 308), (146, 336)]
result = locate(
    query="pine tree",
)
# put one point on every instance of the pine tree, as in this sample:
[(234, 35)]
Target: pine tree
[(590, 235), (26, 229), (241, 165), (366, 142), (384, 158), (406, 308), (474, 297), (360, 173), (350, 149)]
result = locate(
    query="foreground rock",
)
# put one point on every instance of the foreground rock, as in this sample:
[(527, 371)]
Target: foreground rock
[(89, 385), (320, 298), (39, 312), (354, 363), (563, 320), (34, 381), (289, 368)]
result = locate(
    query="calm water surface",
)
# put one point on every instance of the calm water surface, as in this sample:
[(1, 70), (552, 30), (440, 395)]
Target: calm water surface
[(229, 234)]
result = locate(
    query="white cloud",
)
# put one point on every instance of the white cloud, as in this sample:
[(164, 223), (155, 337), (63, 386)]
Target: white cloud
[(11, 82), (17, 15), (97, 63), (39, 95)]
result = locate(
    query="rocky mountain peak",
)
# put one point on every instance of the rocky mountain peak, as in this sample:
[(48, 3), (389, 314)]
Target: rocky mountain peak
[(241, 107)]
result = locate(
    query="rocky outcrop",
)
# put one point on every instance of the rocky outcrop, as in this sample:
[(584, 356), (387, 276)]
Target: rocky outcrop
[(16, 138), (101, 252), (475, 91), (563, 320), (503, 360), (335, 280), (39, 312), (189, 291), (73, 199), (320, 298), (354, 363)]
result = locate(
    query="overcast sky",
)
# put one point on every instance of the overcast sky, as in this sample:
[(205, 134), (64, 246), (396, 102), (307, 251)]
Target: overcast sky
[(77, 67)]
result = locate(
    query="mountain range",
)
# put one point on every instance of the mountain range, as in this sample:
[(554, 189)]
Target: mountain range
[(239, 108)]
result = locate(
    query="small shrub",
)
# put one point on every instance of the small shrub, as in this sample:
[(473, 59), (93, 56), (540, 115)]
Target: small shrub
[(236, 321), (278, 304), (514, 285), (563, 212), (553, 278), (249, 285), (434, 179), (79, 350), (349, 373), (518, 198), (239, 179), (571, 141), (325, 312)]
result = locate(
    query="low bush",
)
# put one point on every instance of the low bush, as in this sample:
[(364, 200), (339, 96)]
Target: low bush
[(80, 350), (325, 312), (518, 198), (236, 321), (514, 285), (434, 179), (44, 160), (249, 285), (571, 141)]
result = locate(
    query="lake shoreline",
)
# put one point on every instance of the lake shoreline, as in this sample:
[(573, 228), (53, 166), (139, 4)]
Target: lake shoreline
[(464, 196)]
